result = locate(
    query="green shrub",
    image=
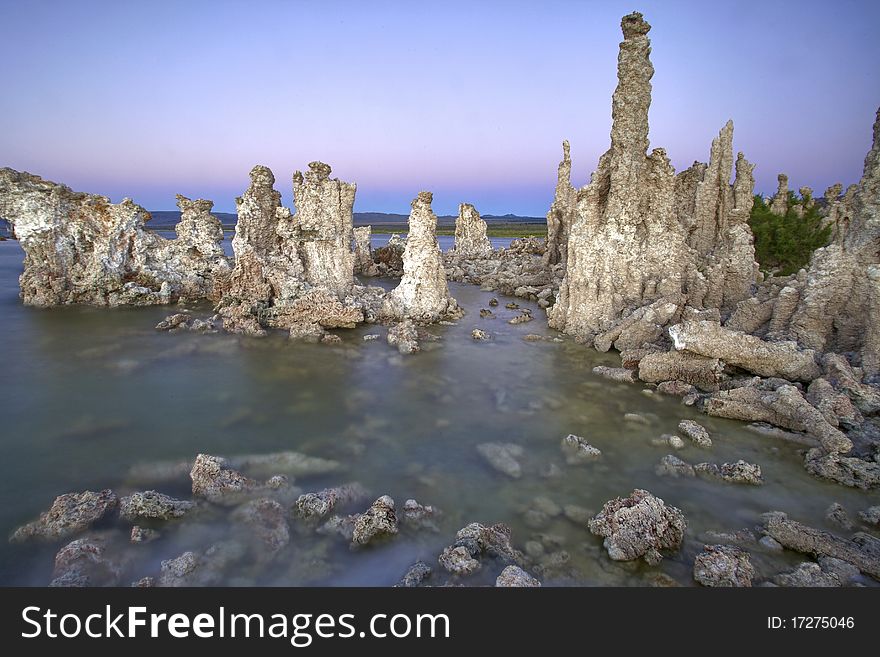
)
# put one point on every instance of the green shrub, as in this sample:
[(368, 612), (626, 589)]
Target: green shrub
[(784, 244)]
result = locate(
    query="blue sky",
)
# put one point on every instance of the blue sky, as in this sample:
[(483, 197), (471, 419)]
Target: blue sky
[(467, 99)]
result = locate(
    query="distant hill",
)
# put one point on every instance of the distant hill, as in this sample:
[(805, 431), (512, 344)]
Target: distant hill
[(171, 217), (168, 218)]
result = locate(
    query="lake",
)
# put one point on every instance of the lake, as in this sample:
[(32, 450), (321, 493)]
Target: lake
[(92, 396)]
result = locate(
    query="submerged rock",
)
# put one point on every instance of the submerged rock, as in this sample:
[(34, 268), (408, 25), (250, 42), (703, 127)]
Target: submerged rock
[(475, 541), (415, 575), (639, 526), (419, 517), (577, 450), (837, 515), (69, 514), (143, 534), (152, 505), (267, 521), (503, 457), (723, 565), (214, 480), (620, 374), (320, 504), (405, 337), (672, 466), (740, 472), (696, 432), (85, 562)]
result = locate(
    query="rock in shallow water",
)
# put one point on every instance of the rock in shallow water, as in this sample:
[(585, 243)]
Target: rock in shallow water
[(516, 577), (379, 520), (723, 565), (152, 505), (320, 504), (503, 457), (639, 526), (85, 562), (69, 514), (740, 472), (214, 480), (577, 450), (696, 432)]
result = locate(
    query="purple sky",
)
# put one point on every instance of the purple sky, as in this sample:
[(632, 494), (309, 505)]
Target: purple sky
[(154, 98)]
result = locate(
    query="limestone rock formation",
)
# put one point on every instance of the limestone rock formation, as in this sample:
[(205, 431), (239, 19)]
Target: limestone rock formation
[(69, 514), (470, 234), (363, 252), (723, 565), (81, 248), (562, 212), (639, 232), (862, 550), (839, 305), (422, 294), (516, 577), (152, 505), (779, 202), (379, 520), (214, 480), (639, 526), (297, 269), (782, 359)]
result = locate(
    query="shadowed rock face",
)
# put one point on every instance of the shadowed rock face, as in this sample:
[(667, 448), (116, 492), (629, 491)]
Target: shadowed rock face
[(81, 248), (363, 252), (422, 294), (562, 212), (639, 232), (470, 234), (838, 306)]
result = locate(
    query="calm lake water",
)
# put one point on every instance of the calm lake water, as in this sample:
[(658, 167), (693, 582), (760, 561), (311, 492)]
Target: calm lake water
[(89, 394)]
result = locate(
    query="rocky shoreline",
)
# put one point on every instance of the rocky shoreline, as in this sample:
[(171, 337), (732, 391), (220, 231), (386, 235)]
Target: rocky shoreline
[(657, 266)]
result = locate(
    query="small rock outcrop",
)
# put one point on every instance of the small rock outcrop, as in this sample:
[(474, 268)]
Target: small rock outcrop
[(151, 505), (214, 480), (516, 577), (69, 514), (639, 526), (379, 520), (723, 565), (470, 234)]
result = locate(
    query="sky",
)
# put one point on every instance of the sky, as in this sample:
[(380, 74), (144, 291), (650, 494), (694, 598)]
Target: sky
[(470, 100)]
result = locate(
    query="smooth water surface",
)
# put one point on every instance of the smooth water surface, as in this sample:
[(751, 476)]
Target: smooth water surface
[(89, 394)]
